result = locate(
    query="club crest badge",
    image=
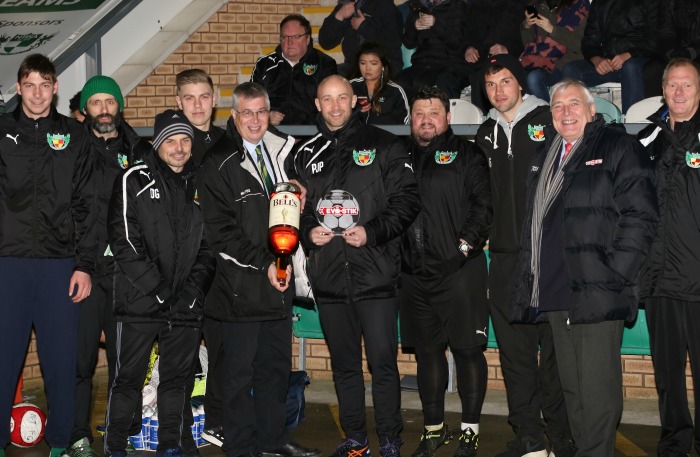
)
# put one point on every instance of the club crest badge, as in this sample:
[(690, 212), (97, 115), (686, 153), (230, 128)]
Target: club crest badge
[(692, 159), (310, 69), (58, 142), (536, 132), (445, 157), (364, 158), (123, 161)]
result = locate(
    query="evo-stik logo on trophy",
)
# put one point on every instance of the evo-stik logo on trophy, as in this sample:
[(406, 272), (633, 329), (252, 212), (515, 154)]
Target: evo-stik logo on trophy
[(337, 211)]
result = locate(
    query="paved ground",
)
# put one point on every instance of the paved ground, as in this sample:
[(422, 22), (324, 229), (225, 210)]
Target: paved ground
[(637, 434)]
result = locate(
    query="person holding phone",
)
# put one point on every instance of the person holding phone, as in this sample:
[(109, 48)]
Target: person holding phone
[(552, 38), (380, 100)]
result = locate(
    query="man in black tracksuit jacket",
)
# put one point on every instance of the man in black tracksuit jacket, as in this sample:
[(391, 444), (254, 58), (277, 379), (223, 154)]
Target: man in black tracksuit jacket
[(255, 311), (509, 139), (291, 74), (670, 283), (114, 147), (444, 278), (354, 275), (46, 244), (352, 23), (589, 223), (163, 271)]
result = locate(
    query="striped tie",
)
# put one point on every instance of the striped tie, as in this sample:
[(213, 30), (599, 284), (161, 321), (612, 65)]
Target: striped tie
[(263, 171)]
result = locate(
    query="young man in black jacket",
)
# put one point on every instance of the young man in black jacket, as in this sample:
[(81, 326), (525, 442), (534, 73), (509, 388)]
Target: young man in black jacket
[(354, 259), (47, 250), (670, 285), (443, 281), (163, 271), (509, 138), (114, 147)]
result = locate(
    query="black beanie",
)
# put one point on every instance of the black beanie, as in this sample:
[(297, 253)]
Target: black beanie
[(169, 123), (512, 64)]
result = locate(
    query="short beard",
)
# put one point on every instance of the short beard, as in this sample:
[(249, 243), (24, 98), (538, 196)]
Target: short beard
[(102, 127)]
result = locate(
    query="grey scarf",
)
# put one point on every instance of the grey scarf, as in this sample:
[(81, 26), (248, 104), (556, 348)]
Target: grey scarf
[(548, 187)]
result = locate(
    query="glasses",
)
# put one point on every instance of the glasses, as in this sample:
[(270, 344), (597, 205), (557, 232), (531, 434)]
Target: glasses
[(248, 114), (292, 37)]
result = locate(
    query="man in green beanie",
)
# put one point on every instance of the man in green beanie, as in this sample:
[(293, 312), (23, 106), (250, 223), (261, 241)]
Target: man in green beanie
[(114, 146)]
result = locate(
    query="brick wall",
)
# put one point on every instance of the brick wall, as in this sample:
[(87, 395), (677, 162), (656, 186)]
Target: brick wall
[(231, 40)]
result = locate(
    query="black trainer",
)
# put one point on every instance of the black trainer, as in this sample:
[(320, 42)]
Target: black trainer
[(468, 443), (430, 441)]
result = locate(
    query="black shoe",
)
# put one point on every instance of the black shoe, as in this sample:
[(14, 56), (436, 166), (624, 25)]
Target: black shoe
[(390, 447), (291, 449), (214, 435), (524, 446), (468, 443), (430, 441)]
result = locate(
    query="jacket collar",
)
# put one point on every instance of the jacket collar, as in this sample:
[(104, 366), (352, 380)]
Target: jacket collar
[(342, 133)]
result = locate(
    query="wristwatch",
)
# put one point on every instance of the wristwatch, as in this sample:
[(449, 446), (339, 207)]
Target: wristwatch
[(464, 248)]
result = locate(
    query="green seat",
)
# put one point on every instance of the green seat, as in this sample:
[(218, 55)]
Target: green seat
[(611, 113)]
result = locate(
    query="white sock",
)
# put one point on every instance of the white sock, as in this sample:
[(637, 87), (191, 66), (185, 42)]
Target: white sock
[(434, 428), (474, 427)]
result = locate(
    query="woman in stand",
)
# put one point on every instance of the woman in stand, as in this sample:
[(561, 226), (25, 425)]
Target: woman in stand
[(552, 38), (379, 99)]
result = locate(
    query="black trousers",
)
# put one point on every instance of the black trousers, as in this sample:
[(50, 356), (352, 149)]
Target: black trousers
[(344, 326), (214, 396), (94, 318), (257, 359), (590, 369), (674, 332), (531, 386), (177, 347), (187, 440)]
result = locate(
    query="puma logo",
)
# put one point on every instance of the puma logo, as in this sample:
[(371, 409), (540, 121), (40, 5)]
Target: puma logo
[(480, 332), (13, 138), (408, 166)]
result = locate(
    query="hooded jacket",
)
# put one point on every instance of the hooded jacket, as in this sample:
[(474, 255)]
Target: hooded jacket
[(292, 89), (372, 165), (674, 259), (236, 206), (609, 215), (455, 196), (510, 147), (46, 189), (112, 157), (157, 237)]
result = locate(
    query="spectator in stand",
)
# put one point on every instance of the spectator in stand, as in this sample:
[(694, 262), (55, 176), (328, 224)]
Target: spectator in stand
[(292, 72), (380, 100), (353, 22), (489, 27), (436, 29), (74, 107), (679, 36), (552, 38), (620, 37)]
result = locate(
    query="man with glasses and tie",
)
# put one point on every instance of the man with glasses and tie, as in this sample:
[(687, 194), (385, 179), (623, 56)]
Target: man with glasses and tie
[(292, 72), (238, 174)]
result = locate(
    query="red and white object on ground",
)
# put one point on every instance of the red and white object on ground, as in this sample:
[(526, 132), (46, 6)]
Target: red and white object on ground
[(27, 425)]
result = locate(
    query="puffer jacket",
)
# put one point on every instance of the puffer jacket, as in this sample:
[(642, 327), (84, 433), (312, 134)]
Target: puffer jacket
[(156, 234), (372, 165), (617, 26), (610, 211), (674, 259)]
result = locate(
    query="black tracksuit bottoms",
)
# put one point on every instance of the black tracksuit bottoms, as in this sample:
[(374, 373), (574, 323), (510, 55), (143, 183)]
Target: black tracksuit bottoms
[(531, 386), (344, 325), (95, 317), (35, 292), (177, 347)]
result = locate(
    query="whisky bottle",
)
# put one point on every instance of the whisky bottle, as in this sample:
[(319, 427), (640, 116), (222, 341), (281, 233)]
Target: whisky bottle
[(283, 231)]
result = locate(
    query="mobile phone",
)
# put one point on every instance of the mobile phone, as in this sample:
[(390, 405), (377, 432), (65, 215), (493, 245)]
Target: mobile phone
[(531, 9)]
